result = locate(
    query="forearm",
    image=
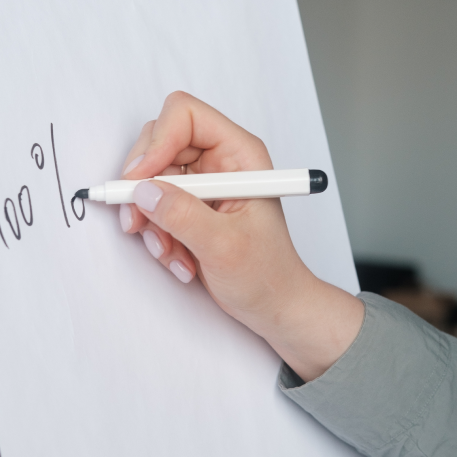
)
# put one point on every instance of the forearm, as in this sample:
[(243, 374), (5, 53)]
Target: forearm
[(315, 327)]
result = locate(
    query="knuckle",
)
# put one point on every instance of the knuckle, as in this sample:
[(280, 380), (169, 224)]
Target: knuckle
[(259, 153), (177, 96), (258, 143), (148, 126)]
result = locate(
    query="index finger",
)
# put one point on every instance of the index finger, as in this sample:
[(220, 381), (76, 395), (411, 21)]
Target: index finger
[(186, 121)]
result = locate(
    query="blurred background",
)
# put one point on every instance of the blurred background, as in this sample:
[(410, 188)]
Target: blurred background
[(386, 78)]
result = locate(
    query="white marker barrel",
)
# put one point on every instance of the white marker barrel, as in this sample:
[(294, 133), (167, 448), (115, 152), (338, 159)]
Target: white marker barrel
[(216, 186)]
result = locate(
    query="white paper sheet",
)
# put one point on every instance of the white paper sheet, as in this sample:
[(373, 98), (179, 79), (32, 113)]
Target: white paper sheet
[(102, 351)]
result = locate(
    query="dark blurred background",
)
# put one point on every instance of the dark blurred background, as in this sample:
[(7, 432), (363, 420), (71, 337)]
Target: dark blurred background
[(386, 78)]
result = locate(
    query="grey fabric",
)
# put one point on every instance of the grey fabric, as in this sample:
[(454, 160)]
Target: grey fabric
[(393, 392)]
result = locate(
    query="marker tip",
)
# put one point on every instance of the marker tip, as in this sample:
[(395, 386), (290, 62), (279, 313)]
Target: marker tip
[(82, 193)]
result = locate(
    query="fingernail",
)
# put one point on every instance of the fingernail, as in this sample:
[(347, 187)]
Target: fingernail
[(147, 195), (125, 216), (180, 271), (133, 164), (152, 242)]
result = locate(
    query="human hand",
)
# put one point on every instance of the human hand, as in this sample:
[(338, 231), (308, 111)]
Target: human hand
[(240, 249)]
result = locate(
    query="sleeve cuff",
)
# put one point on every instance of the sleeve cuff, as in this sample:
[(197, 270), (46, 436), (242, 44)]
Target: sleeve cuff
[(382, 386)]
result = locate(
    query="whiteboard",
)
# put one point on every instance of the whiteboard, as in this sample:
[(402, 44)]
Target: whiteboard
[(102, 351)]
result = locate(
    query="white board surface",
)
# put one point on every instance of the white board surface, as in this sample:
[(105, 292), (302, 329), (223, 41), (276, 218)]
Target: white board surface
[(102, 351)]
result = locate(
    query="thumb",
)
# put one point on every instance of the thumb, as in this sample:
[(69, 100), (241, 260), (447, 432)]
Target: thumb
[(181, 214)]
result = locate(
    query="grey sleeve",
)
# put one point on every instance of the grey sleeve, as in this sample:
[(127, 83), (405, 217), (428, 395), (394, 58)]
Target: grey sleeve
[(393, 392)]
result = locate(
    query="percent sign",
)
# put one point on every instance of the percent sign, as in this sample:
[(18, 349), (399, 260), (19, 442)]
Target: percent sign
[(10, 207)]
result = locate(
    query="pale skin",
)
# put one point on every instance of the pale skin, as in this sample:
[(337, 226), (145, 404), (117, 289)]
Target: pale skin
[(241, 249)]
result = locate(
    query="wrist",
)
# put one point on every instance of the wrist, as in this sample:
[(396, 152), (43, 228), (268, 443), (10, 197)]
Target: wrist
[(315, 327), (279, 316)]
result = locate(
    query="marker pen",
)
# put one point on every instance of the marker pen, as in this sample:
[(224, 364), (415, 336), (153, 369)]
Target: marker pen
[(220, 186)]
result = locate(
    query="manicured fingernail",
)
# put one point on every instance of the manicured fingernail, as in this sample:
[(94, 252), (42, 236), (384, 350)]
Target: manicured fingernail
[(125, 216), (147, 195), (152, 242), (180, 271), (133, 164)]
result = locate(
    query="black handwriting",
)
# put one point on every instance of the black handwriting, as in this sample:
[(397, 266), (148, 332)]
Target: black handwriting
[(19, 197), (40, 163), (58, 177), (17, 232), (3, 238), (25, 199), (83, 213)]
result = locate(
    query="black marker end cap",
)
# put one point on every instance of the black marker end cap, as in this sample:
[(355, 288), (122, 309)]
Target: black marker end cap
[(318, 181), (83, 193)]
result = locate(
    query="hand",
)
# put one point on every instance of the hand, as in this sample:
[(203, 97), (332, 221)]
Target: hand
[(240, 249)]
